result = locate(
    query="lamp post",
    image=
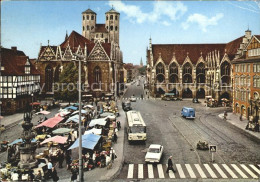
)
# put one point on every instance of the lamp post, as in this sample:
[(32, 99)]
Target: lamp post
[(81, 176), (115, 80), (32, 102)]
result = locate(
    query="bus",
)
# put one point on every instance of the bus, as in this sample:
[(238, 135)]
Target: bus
[(136, 128)]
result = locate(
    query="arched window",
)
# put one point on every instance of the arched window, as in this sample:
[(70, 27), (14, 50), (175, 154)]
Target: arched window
[(97, 76), (92, 27), (200, 73), (83, 17), (87, 27), (159, 69), (173, 78), (107, 27), (106, 17), (111, 17), (111, 27), (87, 17), (225, 73), (83, 28), (115, 28), (187, 73), (102, 35), (116, 17), (92, 17)]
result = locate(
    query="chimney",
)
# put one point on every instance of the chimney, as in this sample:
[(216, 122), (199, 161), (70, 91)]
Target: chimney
[(14, 49)]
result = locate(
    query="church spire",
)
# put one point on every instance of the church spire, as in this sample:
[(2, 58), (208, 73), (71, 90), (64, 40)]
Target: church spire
[(66, 36), (141, 62)]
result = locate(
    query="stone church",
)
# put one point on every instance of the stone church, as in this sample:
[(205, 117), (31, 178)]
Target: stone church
[(98, 46), (193, 70)]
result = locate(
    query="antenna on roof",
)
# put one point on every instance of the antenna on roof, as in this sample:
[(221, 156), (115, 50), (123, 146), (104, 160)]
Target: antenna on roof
[(112, 6), (48, 42)]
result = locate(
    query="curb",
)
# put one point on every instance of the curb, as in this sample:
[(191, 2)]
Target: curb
[(244, 132)]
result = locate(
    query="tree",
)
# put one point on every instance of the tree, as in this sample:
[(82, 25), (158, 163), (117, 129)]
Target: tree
[(67, 87), (142, 70)]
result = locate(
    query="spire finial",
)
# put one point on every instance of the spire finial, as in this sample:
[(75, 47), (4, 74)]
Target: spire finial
[(48, 42)]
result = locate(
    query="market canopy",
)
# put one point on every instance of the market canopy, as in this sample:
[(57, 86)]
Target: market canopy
[(93, 131), (75, 118), (51, 122), (19, 140), (43, 112), (56, 139), (61, 131), (101, 122), (106, 114), (82, 112), (88, 106), (89, 141), (63, 113), (72, 108)]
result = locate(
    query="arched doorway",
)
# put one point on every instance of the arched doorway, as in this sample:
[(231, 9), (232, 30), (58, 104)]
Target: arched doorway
[(187, 93), (201, 93), (225, 95), (48, 78), (160, 92), (175, 91), (243, 111)]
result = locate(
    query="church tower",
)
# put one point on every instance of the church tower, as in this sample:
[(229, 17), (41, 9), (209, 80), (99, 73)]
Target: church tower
[(141, 63), (88, 24), (112, 25)]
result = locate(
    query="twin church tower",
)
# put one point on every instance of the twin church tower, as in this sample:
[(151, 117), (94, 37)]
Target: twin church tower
[(108, 32)]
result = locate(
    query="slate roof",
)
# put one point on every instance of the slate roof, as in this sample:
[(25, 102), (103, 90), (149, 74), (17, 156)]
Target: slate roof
[(101, 28), (88, 11)]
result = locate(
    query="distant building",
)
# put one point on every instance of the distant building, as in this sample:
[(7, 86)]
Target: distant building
[(193, 70), (141, 63), (246, 75), (19, 81)]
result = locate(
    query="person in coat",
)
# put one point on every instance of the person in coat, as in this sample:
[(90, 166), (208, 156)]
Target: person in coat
[(170, 165), (54, 174)]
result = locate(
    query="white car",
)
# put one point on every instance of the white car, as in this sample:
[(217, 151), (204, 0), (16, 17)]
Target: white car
[(154, 153), (132, 99)]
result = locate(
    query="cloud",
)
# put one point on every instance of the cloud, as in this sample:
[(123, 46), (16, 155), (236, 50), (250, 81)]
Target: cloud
[(202, 20), (161, 10), (255, 8)]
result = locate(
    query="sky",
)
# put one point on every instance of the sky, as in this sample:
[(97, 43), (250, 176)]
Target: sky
[(27, 24)]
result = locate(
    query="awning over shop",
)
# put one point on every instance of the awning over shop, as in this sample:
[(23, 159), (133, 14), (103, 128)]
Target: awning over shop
[(19, 140), (89, 141), (88, 106), (82, 112), (51, 122), (56, 139), (93, 131), (72, 108), (63, 113), (101, 122), (106, 114), (75, 118), (61, 131)]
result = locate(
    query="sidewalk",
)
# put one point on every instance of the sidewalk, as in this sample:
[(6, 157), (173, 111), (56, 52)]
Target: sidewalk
[(235, 121)]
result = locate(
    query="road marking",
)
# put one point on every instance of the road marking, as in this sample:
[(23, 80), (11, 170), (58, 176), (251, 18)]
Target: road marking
[(190, 171), (239, 171), (130, 171), (253, 167), (182, 175), (202, 174), (171, 174), (150, 171), (212, 174), (223, 175), (140, 171), (248, 171), (229, 171), (160, 171)]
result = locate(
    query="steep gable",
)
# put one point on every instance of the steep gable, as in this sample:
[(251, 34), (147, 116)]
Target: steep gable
[(98, 53)]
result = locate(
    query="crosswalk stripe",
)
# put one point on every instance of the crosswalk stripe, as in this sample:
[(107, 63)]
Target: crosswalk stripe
[(182, 175), (130, 171), (229, 171), (202, 174), (239, 171), (160, 171), (190, 171), (150, 171), (140, 171), (223, 175), (212, 174), (253, 167), (248, 171), (171, 174)]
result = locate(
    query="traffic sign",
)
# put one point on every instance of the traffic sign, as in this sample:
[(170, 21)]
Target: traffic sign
[(212, 148)]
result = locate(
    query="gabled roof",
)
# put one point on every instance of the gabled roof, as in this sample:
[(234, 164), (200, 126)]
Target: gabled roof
[(74, 41), (101, 28), (194, 51), (231, 47), (43, 48), (112, 10), (107, 48), (88, 11), (258, 37), (14, 61)]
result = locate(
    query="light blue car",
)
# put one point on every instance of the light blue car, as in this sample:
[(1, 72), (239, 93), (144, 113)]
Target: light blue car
[(188, 112)]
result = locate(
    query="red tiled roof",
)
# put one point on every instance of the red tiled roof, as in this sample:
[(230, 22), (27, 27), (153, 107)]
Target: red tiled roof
[(180, 50), (14, 61), (258, 37), (128, 66), (107, 48), (232, 47), (101, 28), (74, 40)]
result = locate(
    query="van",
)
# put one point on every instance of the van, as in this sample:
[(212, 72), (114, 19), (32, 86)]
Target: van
[(188, 112)]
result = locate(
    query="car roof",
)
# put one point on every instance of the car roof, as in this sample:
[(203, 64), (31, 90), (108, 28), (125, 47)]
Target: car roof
[(154, 146), (189, 108)]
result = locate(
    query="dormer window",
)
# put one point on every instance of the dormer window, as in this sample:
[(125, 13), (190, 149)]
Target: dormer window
[(27, 67)]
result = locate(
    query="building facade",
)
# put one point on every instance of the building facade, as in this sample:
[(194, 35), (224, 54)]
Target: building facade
[(246, 74), (19, 81), (193, 70)]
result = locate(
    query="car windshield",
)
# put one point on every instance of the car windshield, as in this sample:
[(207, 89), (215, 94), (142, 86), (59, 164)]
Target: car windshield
[(153, 150), (137, 129)]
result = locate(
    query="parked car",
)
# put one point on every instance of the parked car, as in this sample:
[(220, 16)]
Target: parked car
[(188, 112), (133, 99), (195, 100), (126, 106), (154, 153)]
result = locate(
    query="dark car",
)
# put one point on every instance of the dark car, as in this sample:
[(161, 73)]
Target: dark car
[(126, 106), (195, 100)]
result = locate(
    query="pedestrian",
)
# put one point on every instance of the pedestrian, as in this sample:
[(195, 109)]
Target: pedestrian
[(240, 117), (60, 158), (54, 174), (170, 165), (118, 124), (74, 174), (49, 167), (68, 160), (142, 96), (112, 154), (38, 176)]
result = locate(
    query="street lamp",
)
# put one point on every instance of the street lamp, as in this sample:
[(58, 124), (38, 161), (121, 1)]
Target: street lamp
[(81, 177), (32, 101)]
